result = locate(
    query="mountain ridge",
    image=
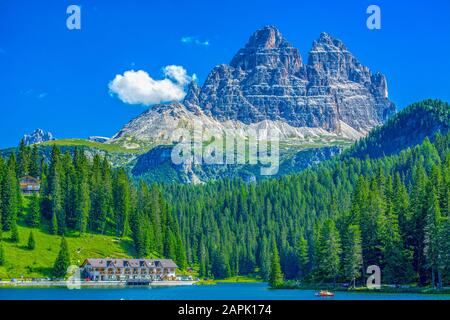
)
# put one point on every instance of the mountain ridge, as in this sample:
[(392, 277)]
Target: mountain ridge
[(266, 80)]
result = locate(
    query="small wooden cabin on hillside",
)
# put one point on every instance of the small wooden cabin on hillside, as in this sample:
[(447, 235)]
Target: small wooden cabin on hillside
[(29, 185)]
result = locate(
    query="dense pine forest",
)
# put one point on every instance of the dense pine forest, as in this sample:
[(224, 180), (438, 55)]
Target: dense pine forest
[(407, 128), (80, 195), (323, 225), (328, 223)]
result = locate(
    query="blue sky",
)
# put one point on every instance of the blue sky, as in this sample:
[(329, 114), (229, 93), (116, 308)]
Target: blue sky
[(57, 79)]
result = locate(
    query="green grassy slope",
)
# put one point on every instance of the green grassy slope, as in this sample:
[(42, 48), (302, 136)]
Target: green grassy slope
[(89, 144), (38, 263)]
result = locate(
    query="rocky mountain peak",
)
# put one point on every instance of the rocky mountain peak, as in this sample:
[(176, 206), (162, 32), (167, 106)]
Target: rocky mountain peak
[(330, 59), (328, 43), (269, 37), (267, 82), (193, 91), (267, 48), (38, 136), (191, 100)]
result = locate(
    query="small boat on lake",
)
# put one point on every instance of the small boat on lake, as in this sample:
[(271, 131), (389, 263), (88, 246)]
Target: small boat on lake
[(324, 293)]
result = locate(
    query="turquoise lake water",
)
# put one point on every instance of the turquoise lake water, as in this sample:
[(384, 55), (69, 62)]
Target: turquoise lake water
[(237, 291)]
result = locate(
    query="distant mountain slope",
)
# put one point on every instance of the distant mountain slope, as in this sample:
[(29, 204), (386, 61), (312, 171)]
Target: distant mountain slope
[(156, 165), (407, 128), (117, 155)]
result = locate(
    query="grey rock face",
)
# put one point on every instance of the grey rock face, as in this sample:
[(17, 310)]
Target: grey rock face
[(38, 136), (268, 48), (191, 100), (309, 157), (266, 80)]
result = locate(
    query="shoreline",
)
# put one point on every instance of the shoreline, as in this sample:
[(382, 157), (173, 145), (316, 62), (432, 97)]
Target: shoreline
[(156, 284), (384, 289), (91, 284)]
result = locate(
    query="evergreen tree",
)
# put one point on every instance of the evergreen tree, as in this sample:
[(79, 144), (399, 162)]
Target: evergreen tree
[(302, 256), (402, 210), (106, 203), (23, 159), (329, 252), (203, 260), (14, 232), (69, 186), (31, 242), (372, 222), (122, 203), (181, 255), (219, 265), (35, 162), (264, 259), (56, 196), (392, 245), (276, 276), (33, 218), (418, 208), (169, 245), (97, 211), (444, 251), (54, 225), (316, 237), (10, 194), (82, 192), (352, 253), (432, 227), (156, 216), (62, 262)]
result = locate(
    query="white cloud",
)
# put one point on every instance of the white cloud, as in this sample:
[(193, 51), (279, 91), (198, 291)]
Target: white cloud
[(138, 87), (179, 74), (195, 40)]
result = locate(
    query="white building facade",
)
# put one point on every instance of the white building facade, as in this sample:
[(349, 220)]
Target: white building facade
[(129, 269)]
